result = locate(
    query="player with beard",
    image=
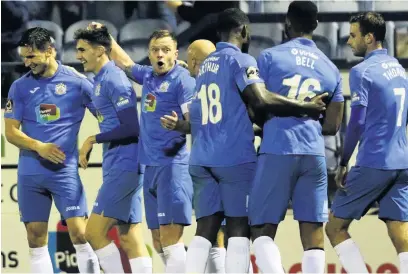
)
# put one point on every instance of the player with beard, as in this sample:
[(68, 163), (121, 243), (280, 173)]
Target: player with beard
[(43, 115), (167, 184), (378, 120), (223, 157)]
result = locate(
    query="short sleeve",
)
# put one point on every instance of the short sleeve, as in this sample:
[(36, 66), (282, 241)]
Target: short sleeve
[(122, 94), (263, 64), (14, 106), (185, 92), (338, 92), (87, 90), (246, 71), (139, 71), (358, 89)]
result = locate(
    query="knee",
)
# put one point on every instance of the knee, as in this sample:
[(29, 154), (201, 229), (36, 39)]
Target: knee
[(37, 236), (91, 235), (333, 230), (170, 234), (77, 236)]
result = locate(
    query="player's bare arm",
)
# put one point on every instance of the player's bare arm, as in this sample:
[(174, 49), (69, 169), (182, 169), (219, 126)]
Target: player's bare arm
[(264, 102), (172, 122), (18, 138), (85, 151), (333, 118)]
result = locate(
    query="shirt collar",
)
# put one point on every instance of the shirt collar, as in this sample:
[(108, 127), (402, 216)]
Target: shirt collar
[(376, 52), (304, 41), (104, 69), (224, 45), (171, 73)]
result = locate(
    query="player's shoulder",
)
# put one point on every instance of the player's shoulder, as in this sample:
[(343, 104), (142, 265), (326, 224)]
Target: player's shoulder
[(181, 74), (71, 72), (242, 59), (116, 77), (361, 69)]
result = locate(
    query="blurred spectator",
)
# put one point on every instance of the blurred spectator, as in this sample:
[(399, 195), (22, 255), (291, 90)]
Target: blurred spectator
[(194, 12), (71, 12), (15, 14), (150, 10)]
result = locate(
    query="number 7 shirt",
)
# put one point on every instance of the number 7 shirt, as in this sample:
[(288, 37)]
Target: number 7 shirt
[(221, 129), (299, 70), (380, 84)]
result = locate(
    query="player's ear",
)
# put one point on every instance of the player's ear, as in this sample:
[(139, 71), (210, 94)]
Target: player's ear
[(369, 38), (245, 32)]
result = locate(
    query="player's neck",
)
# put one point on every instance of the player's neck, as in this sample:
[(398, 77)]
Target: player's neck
[(302, 35), (372, 48), (51, 69), (102, 62)]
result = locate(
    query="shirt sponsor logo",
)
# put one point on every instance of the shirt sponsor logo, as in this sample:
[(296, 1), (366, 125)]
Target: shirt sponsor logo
[(149, 103), (122, 101), (47, 113)]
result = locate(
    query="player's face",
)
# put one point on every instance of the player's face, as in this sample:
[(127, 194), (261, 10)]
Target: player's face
[(35, 59), (247, 40), (193, 64), (87, 55), (356, 40), (162, 54)]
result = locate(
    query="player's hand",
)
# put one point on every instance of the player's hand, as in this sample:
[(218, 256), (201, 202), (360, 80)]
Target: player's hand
[(316, 105), (182, 63), (94, 25), (85, 151), (169, 122), (341, 177), (51, 152)]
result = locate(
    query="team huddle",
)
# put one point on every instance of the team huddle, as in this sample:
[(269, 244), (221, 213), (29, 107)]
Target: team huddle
[(292, 93)]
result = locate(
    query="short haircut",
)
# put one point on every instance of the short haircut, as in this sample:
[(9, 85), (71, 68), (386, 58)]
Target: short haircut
[(162, 33), (96, 37), (371, 22), (38, 38), (231, 19), (303, 16)]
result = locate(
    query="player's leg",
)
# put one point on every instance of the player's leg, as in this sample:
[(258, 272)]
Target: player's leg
[(174, 204), (150, 204), (209, 215), (131, 235), (235, 185), (216, 258), (272, 187), (310, 208), (68, 192), (363, 187), (394, 210), (30, 191), (113, 204)]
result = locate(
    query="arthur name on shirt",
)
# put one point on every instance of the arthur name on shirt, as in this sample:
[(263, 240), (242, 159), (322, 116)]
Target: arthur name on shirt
[(393, 69), (304, 58), (209, 66)]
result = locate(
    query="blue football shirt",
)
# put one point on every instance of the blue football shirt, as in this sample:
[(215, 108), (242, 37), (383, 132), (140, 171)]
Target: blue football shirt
[(298, 70), (50, 110), (161, 94), (380, 84), (112, 93), (221, 128)]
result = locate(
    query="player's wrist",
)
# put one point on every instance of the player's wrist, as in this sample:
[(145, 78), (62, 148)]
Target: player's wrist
[(92, 139), (35, 146)]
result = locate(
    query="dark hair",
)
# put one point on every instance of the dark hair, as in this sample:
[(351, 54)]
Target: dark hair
[(38, 38), (99, 36), (231, 19), (303, 16), (371, 22), (157, 34)]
